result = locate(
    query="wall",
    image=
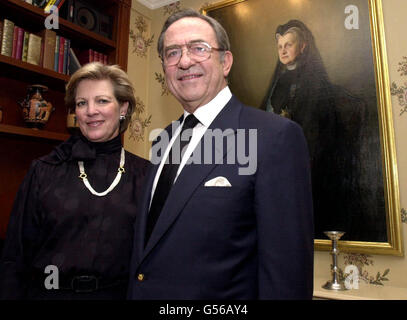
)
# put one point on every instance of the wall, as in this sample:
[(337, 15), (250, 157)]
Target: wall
[(146, 72), (162, 107)]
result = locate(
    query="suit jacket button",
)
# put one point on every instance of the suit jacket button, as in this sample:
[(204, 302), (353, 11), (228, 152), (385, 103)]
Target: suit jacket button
[(140, 277)]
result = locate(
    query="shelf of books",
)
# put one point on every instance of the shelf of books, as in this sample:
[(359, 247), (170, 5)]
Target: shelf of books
[(30, 53), (47, 48)]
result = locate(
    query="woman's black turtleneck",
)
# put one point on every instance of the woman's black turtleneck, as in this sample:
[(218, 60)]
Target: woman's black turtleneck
[(57, 221)]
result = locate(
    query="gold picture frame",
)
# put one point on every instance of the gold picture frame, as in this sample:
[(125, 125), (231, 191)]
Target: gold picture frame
[(243, 17)]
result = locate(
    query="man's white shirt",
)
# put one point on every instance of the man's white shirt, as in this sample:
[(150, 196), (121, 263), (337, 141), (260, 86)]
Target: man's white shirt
[(205, 114)]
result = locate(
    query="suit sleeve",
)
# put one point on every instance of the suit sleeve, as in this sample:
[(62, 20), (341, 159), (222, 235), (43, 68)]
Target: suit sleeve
[(283, 204)]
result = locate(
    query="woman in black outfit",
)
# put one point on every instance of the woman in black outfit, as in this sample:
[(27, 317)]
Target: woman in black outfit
[(332, 121), (76, 207)]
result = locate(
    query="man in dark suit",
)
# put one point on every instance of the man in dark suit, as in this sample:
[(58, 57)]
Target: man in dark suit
[(231, 217)]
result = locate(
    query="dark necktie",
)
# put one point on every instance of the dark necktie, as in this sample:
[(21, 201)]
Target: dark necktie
[(168, 173)]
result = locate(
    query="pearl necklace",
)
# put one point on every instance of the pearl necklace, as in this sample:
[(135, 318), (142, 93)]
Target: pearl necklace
[(115, 182)]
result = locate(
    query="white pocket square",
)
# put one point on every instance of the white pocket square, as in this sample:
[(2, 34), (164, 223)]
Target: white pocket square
[(218, 182)]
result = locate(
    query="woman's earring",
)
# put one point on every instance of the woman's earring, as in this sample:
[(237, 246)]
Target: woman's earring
[(122, 117)]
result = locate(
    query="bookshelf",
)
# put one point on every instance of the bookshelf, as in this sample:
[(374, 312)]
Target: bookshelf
[(20, 145), (28, 69)]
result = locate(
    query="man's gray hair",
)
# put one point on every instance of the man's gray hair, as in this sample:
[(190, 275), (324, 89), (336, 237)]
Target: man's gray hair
[(221, 35)]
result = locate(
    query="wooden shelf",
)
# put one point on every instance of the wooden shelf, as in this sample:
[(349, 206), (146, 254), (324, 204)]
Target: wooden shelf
[(34, 68), (37, 133), (31, 74)]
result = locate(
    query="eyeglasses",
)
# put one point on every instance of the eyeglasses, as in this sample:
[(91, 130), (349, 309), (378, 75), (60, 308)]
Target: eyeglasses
[(198, 51)]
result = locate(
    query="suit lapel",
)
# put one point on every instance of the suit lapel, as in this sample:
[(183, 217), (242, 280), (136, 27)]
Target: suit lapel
[(141, 223), (192, 176), (141, 219)]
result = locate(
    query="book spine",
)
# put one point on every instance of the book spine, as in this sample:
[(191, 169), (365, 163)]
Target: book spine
[(56, 53), (34, 49), (61, 54), (60, 4), (20, 40), (49, 40), (95, 56), (15, 36), (86, 56), (66, 55), (91, 55), (7, 41), (1, 33), (25, 46), (68, 63), (41, 62)]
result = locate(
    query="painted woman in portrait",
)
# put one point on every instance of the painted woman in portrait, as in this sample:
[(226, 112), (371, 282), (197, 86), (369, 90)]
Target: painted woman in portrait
[(331, 119)]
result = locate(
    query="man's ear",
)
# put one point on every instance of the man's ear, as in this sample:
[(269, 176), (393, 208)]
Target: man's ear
[(227, 62)]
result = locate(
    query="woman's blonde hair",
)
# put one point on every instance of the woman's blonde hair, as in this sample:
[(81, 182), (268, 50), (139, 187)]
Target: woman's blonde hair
[(122, 87)]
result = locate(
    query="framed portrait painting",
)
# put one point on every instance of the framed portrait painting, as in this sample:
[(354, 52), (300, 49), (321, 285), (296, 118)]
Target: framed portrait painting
[(323, 64)]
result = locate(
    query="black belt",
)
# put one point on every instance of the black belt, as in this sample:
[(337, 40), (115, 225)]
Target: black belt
[(81, 283)]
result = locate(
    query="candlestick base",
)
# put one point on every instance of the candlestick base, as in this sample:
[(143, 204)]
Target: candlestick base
[(338, 286)]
